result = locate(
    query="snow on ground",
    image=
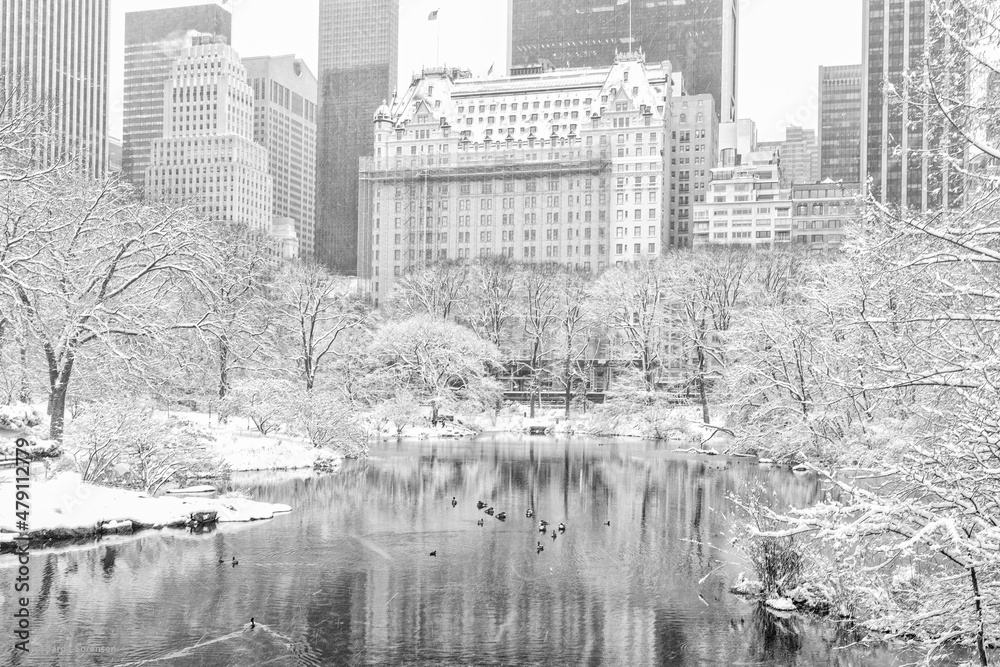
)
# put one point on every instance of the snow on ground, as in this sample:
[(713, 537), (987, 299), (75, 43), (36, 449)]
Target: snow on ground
[(65, 506), (243, 448)]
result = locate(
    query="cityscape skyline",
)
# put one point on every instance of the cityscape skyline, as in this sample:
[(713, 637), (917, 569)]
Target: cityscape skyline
[(774, 90)]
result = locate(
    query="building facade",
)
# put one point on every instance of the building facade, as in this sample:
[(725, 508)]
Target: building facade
[(284, 122), (207, 156), (737, 139), (900, 138), (55, 53), (154, 39), (799, 155), (694, 150), (839, 125), (746, 205), (698, 37), (566, 166), (358, 49), (821, 212)]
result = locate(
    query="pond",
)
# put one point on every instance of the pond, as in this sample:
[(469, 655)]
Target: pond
[(347, 578)]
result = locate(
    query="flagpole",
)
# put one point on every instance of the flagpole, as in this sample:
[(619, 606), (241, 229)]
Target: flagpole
[(630, 48), (438, 56)]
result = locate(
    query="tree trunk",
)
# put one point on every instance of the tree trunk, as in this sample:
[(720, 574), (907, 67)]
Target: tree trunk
[(702, 393), (25, 396), (980, 643), (569, 384), (57, 405), (223, 367)]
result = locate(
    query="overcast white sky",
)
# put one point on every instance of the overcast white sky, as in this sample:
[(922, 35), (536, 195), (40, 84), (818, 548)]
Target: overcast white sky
[(782, 44)]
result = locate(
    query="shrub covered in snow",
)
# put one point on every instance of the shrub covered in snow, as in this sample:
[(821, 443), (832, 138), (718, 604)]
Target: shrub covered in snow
[(19, 416), (126, 445)]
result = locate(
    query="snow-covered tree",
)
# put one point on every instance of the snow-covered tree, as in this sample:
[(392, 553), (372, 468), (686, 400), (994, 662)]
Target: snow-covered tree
[(438, 289), (537, 309), (236, 327), (632, 303), (491, 307), (437, 362), (95, 269), (317, 312)]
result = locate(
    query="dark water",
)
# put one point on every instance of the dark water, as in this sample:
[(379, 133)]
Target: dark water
[(346, 578)]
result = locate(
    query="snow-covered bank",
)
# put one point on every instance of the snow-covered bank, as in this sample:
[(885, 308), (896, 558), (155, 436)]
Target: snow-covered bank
[(66, 507), (246, 449)]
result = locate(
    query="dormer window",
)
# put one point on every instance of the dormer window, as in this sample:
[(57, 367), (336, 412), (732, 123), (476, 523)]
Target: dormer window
[(626, 76)]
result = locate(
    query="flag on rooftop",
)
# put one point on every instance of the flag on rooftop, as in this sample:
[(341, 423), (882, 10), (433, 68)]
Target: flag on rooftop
[(433, 15)]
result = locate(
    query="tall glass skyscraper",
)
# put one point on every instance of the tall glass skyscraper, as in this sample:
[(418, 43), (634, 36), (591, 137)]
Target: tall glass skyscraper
[(840, 123), (358, 48), (904, 146), (154, 39), (56, 52), (698, 37)]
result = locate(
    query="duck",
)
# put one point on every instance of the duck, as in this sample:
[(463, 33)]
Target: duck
[(502, 516), (489, 510), (553, 534), (539, 548), (221, 561), (562, 527), (480, 522), (529, 513), (235, 562), (454, 501), (480, 505), (607, 523), (252, 624), (434, 553)]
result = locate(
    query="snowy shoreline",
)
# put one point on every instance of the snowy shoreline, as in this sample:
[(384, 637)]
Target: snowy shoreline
[(67, 508)]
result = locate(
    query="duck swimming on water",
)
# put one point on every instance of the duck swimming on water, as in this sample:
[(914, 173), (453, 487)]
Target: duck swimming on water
[(562, 528), (252, 624), (235, 562), (453, 501), (553, 534), (502, 516), (489, 511), (480, 504), (480, 522), (530, 513), (539, 549)]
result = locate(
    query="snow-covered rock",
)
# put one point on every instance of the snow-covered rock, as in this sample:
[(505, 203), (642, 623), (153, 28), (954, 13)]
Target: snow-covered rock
[(744, 586), (781, 604)]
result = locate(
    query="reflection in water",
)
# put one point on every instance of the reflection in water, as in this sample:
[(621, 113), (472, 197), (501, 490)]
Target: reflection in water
[(346, 579)]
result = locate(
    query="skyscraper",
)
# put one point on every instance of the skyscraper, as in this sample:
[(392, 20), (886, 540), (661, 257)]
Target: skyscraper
[(901, 138), (698, 37), (153, 40), (207, 156), (56, 52), (694, 152), (284, 122), (358, 46), (799, 155), (839, 129)]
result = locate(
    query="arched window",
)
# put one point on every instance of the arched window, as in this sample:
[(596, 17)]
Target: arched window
[(684, 118)]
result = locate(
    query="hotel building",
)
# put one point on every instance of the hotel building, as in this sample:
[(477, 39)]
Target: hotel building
[(565, 166)]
